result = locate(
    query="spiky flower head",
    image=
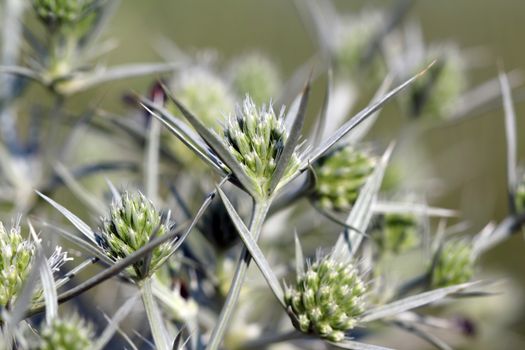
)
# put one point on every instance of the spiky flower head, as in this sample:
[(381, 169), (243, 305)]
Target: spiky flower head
[(340, 175), (59, 12), (397, 233), (132, 222), (256, 138), (15, 262), (204, 93), (71, 333), (520, 196), (255, 75), (454, 264), (328, 298)]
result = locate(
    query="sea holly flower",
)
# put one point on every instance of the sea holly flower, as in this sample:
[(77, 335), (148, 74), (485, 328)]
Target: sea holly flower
[(132, 222), (255, 75), (256, 138), (454, 264), (340, 174), (328, 298), (71, 333), (15, 262), (397, 233)]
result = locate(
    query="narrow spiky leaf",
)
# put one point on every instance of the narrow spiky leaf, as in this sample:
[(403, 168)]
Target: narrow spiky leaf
[(217, 146), (354, 345), (253, 248), (291, 143), (356, 120), (299, 256), (414, 301)]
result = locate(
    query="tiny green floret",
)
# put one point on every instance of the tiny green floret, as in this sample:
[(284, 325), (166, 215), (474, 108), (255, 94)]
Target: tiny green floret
[(132, 221), (256, 138), (328, 298)]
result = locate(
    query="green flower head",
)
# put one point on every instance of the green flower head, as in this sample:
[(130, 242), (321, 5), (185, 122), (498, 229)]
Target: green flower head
[(15, 262), (398, 233), (132, 222), (72, 333), (454, 264), (256, 138), (58, 12), (257, 76), (340, 175), (328, 298)]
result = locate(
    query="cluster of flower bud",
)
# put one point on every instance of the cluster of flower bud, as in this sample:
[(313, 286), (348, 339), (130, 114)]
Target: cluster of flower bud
[(132, 222), (397, 233), (327, 299), (454, 264), (256, 138), (72, 333)]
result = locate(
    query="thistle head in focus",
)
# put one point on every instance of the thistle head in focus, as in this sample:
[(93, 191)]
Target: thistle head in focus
[(257, 76), (339, 177), (454, 264), (15, 262), (71, 333), (397, 233), (132, 222), (328, 298), (256, 137)]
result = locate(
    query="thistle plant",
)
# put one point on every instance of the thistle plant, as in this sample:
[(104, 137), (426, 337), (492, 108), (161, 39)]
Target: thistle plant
[(454, 264), (70, 333), (328, 298), (132, 223), (256, 138), (257, 76), (339, 176), (15, 262)]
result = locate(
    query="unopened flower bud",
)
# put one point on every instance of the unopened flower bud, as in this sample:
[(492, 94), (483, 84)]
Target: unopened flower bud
[(72, 333), (454, 264)]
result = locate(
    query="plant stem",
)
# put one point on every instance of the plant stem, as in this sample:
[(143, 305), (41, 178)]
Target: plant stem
[(154, 317), (260, 211)]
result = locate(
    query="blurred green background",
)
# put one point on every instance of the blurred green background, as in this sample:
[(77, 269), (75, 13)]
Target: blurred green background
[(468, 156)]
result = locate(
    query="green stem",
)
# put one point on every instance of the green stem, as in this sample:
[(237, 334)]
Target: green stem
[(154, 316), (260, 211)]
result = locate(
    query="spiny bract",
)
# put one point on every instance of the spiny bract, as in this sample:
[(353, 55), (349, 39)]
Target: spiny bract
[(454, 264), (132, 221), (340, 175), (256, 138), (327, 299)]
